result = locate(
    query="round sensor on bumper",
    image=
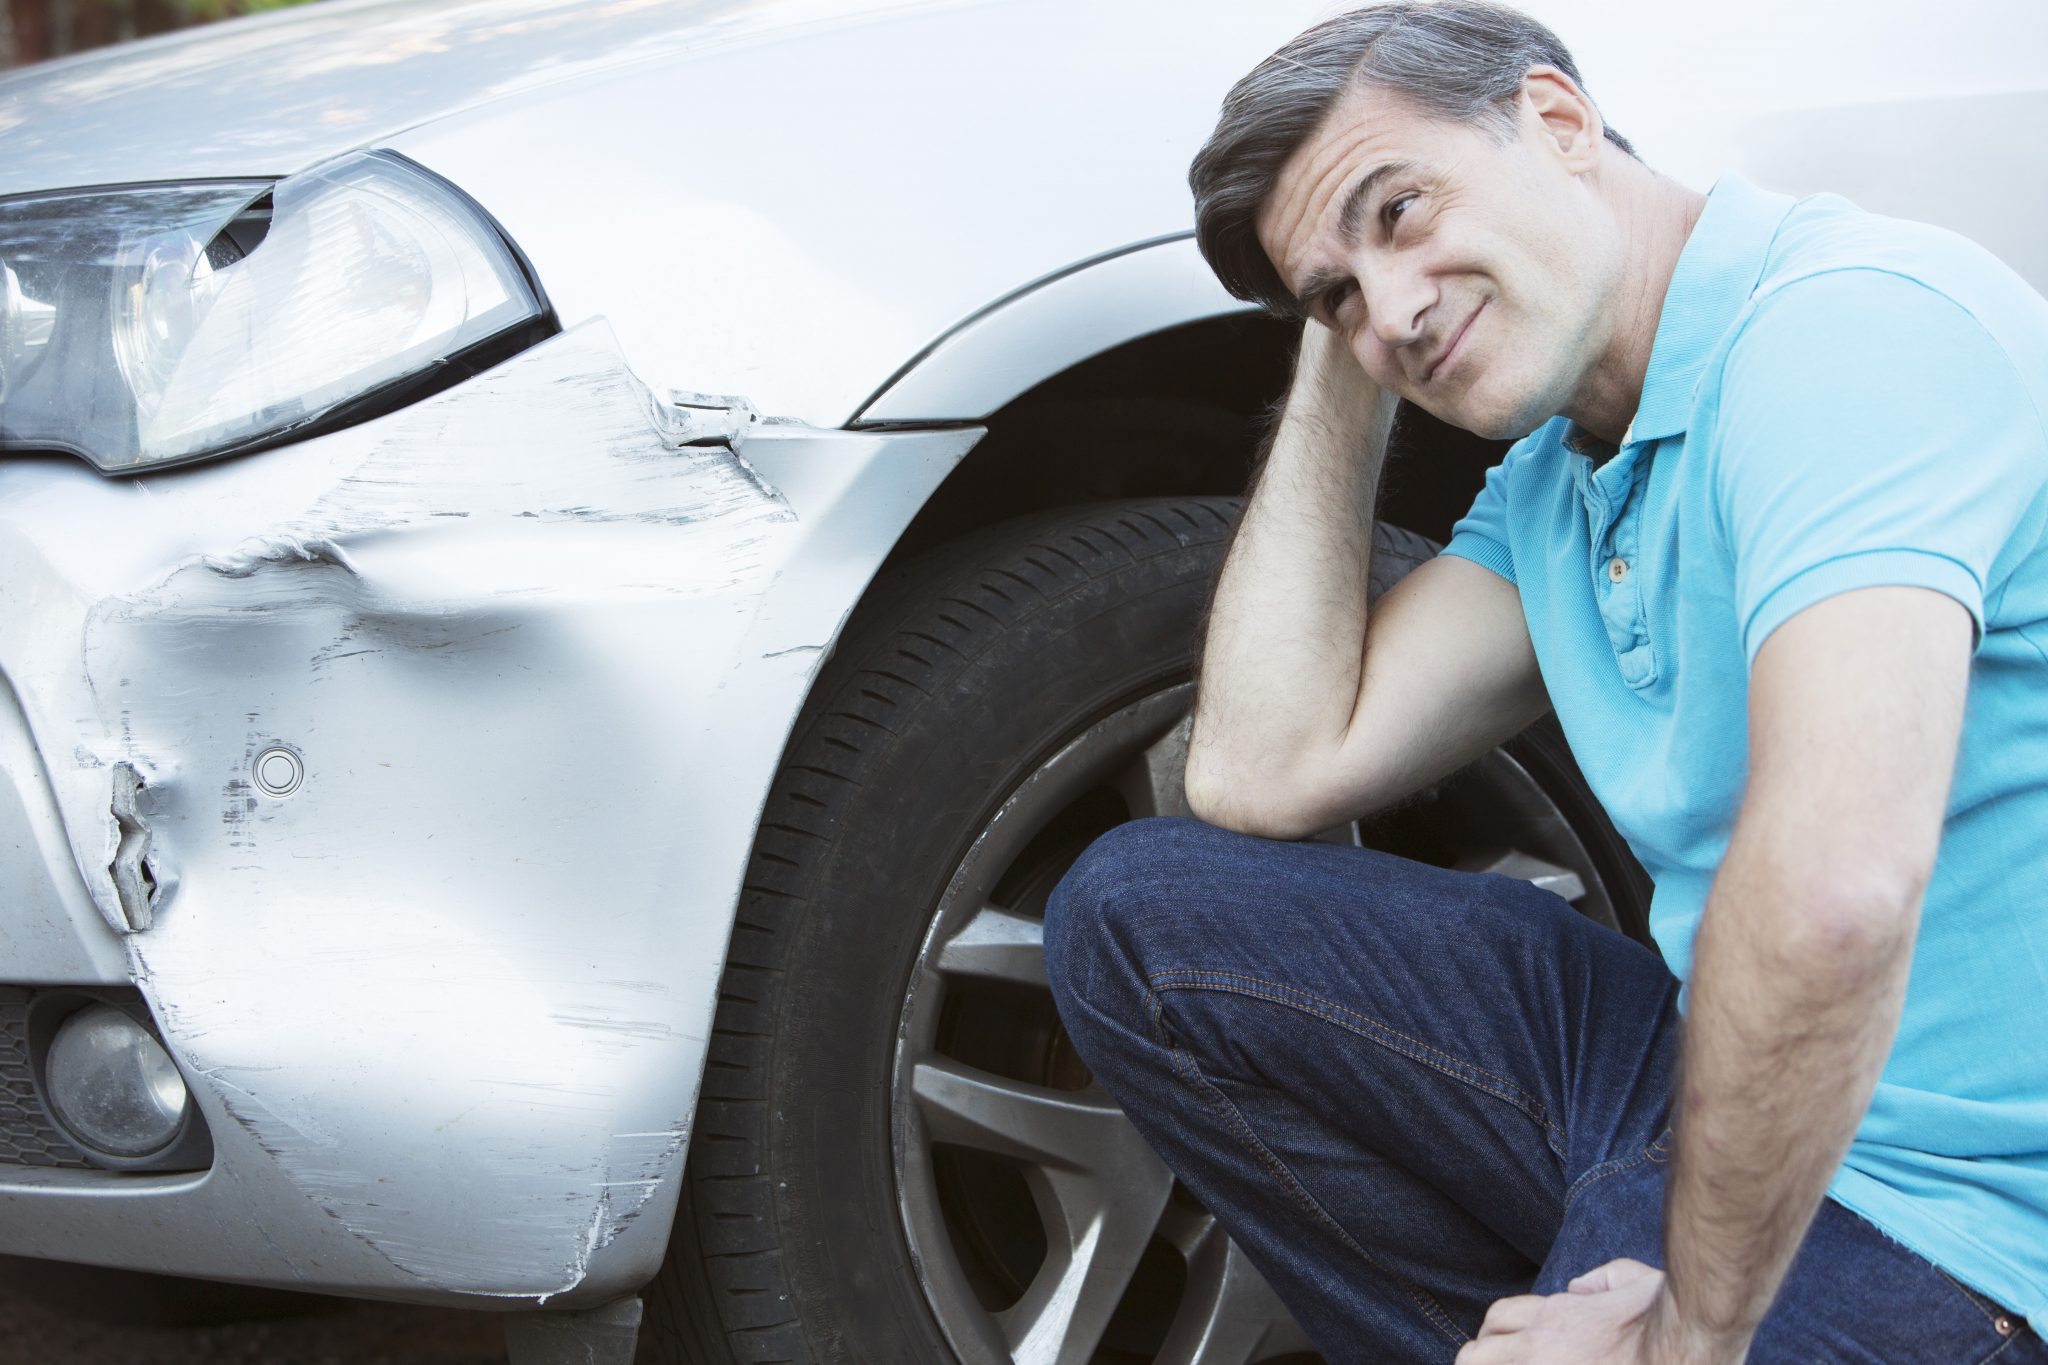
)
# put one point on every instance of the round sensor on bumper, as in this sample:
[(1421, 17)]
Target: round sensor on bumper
[(111, 1085), (279, 771)]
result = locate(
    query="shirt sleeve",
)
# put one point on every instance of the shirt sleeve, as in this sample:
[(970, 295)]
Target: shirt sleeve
[(1481, 535), (1870, 433)]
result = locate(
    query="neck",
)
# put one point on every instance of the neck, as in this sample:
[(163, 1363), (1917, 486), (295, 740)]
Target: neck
[(1653, 217)]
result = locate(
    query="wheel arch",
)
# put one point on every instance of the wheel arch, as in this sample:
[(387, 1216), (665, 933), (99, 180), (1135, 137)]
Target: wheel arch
[(1131, 374)]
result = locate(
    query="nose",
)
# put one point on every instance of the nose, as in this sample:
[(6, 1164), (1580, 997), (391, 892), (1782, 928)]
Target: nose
[(1397, 304)]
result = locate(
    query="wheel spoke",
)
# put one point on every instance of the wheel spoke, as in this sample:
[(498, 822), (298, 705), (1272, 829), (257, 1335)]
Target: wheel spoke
[(1097, 1228), (1187, 1228), (996, 945), (1156, 782), (1228, 1315), (1512, 862), (1034, 1124)]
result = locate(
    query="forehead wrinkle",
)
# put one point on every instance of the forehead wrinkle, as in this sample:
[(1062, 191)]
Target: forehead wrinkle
[(1301, 225), (1354, 201), (1298, 229)]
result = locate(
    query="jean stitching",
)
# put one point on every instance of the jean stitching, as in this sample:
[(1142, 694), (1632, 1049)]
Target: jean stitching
[(1455, 1067), (2000, 1349), (1613, 1166), (1190, 1072), (1964, 1292)]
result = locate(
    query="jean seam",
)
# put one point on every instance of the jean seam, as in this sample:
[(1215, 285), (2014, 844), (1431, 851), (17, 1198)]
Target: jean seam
[(1436, 1059), (2000, 1349), (1190, 1072), (1964, 1292), (1599, 1172)]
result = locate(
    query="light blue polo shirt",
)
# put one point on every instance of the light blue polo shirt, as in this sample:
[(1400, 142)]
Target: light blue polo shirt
[(1835, 400)]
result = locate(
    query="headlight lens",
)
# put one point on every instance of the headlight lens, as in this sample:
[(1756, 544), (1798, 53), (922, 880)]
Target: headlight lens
[(159, 324)]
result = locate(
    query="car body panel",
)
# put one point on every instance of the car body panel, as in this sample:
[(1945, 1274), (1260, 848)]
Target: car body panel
[(275, 93), (448, 1001), (52, 933), (999, 353)]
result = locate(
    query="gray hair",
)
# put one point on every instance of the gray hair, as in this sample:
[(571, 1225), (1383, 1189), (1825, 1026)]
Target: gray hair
[(1459, 60)]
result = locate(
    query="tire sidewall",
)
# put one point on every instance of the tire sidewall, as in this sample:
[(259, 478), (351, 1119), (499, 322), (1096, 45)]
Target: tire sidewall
[(936, 767)]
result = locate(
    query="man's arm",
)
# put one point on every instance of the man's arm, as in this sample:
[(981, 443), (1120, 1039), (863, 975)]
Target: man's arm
[(1310, 709), (1799, 974), (1799, 969)]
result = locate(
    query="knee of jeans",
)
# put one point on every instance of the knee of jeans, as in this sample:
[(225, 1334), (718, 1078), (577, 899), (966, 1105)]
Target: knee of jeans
[(1103, 919)]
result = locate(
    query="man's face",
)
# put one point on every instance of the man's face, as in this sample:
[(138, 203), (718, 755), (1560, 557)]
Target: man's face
[(1469, 275)]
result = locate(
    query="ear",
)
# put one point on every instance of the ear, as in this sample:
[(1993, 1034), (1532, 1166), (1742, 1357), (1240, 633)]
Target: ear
[(1561, 118)]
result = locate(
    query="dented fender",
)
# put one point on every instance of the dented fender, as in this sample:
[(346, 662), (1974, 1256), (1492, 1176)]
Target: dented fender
[(415, 769)]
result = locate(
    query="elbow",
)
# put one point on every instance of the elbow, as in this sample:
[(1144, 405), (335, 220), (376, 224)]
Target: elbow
[(1866, 929), (1854, 927), (1272, 805)]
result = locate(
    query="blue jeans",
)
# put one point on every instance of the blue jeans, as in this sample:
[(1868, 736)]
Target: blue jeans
[(1409, 1092)]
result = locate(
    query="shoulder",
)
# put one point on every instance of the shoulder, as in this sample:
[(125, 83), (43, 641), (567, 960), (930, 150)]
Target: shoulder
[(1843, 288), (1849, 342), (1861, 322)]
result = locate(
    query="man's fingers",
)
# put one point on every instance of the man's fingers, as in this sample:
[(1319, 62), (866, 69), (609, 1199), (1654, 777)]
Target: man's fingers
[(1592, 1282), (1613, 1275), (1485, 1351), (1510, 1315)]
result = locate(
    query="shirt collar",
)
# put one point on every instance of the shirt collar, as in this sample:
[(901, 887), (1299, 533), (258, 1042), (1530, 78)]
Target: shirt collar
[(1723, 259)]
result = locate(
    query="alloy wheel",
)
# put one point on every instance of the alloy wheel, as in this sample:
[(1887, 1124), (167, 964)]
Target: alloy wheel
[(1044, 1230)]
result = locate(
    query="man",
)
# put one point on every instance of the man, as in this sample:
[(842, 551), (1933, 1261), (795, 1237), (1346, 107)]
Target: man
[(1778, 530)]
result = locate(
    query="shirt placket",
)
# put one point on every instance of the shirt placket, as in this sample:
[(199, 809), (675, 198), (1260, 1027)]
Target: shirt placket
[(1612, 496)]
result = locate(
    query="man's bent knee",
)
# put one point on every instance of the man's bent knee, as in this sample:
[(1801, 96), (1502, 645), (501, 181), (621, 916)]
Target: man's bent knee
[(1127, 903), (1125, 880)]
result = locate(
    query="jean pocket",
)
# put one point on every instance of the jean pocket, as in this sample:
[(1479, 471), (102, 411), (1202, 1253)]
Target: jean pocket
[(1855, 1293), (2003, 1322)]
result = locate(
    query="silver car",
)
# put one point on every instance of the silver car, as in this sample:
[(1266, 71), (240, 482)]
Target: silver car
[(573, 571)]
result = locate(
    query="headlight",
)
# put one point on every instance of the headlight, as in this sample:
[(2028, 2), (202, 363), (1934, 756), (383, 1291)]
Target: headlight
[(158, 324)]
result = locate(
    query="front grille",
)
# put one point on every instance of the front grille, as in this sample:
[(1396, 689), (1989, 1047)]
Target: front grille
[(27, 1137)]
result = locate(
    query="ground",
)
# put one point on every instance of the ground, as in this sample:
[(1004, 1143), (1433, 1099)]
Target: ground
[(63, 1319)]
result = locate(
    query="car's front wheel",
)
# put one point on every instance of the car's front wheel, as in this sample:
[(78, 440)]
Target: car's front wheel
[(897, 1157)]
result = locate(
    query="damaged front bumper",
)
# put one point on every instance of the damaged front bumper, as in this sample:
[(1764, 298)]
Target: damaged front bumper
[(410, 773)]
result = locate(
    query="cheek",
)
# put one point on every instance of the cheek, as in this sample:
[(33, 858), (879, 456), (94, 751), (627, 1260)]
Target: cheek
[(1375, 359)]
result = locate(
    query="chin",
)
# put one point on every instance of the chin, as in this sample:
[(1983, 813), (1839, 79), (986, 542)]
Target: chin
[(1490, 421)]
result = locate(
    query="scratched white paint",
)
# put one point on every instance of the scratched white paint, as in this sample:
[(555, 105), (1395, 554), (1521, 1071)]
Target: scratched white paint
[(447, 1003)]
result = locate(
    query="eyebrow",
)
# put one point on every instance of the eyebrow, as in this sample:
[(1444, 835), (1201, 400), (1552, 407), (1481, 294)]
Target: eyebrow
[(1319, 281)]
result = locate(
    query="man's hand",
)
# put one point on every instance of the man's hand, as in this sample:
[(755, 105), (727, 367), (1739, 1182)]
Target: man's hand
[(1331, 388), (1617, 1314)]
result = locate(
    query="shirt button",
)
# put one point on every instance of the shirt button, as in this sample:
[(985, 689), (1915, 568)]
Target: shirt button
[(1617, 569)]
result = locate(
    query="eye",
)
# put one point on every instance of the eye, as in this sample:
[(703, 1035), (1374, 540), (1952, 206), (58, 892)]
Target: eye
[(1334, 298), (1393, 209)]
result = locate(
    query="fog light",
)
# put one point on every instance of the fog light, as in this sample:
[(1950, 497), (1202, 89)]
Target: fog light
[(111, 1085)]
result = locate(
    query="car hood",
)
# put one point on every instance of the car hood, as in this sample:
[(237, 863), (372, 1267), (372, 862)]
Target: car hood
[(780, 199), (273, 94)]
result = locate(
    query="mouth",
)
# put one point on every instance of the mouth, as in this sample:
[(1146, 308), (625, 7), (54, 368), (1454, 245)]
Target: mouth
[(1450, 351)]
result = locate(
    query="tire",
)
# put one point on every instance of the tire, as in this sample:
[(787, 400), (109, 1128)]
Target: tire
[(833, 1210)]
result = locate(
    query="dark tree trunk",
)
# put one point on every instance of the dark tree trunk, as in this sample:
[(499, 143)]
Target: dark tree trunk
[(31, 21), (95, 23)]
